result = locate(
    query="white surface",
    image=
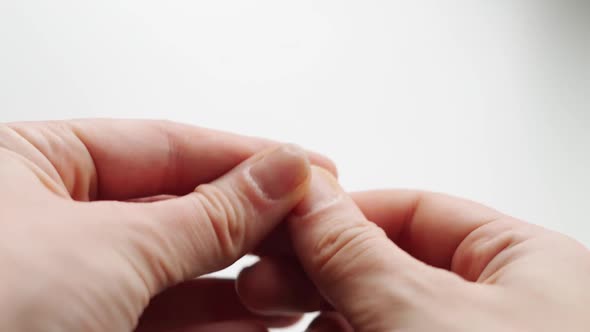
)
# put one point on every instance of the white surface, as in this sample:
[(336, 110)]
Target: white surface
[(485, 99)]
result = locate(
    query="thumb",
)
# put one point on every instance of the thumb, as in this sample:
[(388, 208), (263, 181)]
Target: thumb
[(350, 259), (209, 229)]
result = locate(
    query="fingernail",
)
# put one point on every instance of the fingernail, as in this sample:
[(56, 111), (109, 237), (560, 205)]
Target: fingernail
[(324, 191), (281, 171)]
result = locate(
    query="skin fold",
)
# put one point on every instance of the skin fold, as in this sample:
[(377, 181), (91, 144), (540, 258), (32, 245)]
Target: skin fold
[(399, 260), (106, 224), (81, 251)]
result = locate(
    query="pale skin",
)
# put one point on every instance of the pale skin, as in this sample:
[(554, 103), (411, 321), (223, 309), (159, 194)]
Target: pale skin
[(102, 219), (426, 262)]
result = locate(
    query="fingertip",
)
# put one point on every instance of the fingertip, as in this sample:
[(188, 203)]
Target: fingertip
[(281, 172), (245, 289), (324, 191), (277, 287), (329, 322), (245, 326), (324, 162)]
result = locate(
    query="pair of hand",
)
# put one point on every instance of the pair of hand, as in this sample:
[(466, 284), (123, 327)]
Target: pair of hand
[(102, 229)]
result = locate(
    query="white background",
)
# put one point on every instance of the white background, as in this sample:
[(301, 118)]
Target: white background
[(484, 99)]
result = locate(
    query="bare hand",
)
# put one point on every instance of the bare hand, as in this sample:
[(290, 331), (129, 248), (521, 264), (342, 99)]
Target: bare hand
[(427, 262), (75, 255)]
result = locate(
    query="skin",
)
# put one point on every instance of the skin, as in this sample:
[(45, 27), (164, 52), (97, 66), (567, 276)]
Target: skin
[(102, 218), (425, 262), (106, 224)]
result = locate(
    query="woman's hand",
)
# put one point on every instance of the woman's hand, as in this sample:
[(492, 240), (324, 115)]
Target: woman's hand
[(76, 255), (427, 262)]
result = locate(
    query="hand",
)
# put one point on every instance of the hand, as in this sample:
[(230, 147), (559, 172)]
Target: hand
[(75, 256), (429, 262)]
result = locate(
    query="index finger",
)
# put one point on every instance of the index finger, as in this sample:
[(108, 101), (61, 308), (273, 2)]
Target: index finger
[(437, 229), (124, 159), (429, 226)]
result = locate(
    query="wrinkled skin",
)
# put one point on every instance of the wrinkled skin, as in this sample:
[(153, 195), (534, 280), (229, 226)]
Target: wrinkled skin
[(425, 262), (77, 255), (105, 225)]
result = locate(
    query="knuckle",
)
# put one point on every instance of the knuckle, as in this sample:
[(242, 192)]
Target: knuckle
[(487, 244), (345, 242), (226, 217)]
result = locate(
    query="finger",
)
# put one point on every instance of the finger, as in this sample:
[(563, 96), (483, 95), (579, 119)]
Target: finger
[(125, 159), (199, 302), (329, 322), (438, 229), (278, 286), (277, 243), (151, 199), (350, 259), (227, 327), (177, 239), (429, 226)]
